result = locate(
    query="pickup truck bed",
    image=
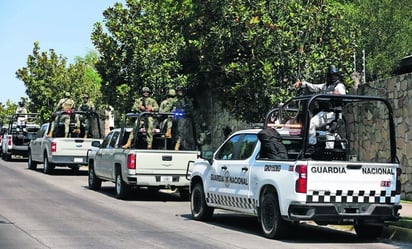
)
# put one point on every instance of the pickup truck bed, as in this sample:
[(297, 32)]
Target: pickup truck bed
[(138, 168)]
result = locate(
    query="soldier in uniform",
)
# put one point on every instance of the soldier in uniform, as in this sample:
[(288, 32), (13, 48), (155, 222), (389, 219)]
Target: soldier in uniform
[(168, 105), (87, 107), (65, 104), (21, 109), (144, 104), (185, 106)]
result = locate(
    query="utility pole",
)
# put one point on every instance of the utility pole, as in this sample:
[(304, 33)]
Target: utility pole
[(364, 67)]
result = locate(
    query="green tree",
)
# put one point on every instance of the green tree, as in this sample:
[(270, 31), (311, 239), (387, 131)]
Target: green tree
[(384, 30), (141, 48), (47, 78), (253, 51)]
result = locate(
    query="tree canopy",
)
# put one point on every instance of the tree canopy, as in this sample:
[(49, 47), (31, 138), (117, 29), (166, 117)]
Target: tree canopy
[(47, 78), (246, 54)]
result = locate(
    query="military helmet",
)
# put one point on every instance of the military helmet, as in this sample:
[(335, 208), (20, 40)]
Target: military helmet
[(172, 92), (67, 94), (146, 89), (333, 70)]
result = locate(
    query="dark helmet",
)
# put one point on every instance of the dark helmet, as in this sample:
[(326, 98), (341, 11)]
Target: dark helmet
[(179, 88), (333, 70), (332, 75)]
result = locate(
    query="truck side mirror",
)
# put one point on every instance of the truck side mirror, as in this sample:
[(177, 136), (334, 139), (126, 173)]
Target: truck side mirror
[(96, 143), (207, 155)]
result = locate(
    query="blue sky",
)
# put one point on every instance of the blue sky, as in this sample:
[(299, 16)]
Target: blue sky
[(64, 26)]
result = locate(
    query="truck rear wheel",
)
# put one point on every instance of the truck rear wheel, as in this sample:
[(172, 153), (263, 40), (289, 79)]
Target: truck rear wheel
[(47, 166), (200, 210), (364, 231), (94, 182), (273, 226), (122, 189), (30, 163)]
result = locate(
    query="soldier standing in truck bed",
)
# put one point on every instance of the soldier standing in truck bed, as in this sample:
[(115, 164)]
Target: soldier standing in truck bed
[(144, 104), (65, 105)]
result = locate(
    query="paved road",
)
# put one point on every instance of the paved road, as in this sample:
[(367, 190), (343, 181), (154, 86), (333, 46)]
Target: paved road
[(59, 211)]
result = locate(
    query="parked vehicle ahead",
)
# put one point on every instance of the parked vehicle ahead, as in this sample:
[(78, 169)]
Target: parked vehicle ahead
[(51, 148), (20, 130), (3, 130)]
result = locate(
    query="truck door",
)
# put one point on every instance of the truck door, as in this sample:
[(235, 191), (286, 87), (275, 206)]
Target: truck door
[(36, 143), (101, 166), (231, 176)]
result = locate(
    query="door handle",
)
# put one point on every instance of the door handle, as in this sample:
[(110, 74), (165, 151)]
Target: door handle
[(245, 169), (224, 167)]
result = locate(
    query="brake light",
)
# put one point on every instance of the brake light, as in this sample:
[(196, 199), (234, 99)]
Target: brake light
[(398, 181), (53, 147), (131, 161), (302, 181), (10, 140)]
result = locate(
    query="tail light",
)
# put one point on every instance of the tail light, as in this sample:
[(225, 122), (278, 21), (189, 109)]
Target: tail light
[(398, 180), (10, 140), (131, 161), (302, 181), (53, 147)]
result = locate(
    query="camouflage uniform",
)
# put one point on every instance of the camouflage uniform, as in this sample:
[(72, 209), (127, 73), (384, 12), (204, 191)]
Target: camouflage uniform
[(168, 105), (21, 119), (184, 105), (87, 107), (144, 104), (65, 104)]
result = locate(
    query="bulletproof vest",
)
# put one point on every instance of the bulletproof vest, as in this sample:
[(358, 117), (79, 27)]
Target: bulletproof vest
[(330, 87), (85, 107)]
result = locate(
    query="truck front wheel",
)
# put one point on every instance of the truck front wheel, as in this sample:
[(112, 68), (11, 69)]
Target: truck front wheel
[(200, 210), (94, 182), (273, 226), (30, 163), (122, 189)]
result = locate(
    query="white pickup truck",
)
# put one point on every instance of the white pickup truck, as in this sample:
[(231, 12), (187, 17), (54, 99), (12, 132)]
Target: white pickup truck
[(350, 175), (59, 151), (161, 167)]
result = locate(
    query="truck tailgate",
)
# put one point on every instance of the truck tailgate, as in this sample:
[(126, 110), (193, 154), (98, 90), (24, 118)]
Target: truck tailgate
[(351, 182), (73, 146), (163, 161)]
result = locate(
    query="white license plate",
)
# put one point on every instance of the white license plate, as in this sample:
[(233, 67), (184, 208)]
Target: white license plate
[(165, 178), (78, 160)]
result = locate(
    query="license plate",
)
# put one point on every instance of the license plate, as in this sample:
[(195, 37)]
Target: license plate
[(78, 160), (165, 178)]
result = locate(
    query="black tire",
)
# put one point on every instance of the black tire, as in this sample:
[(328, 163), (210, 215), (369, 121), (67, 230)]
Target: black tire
[(6, 156), (273, 226), (47, 166), (200, 210), (368, 231), (122, 189), (94, 182), (30, 163)]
